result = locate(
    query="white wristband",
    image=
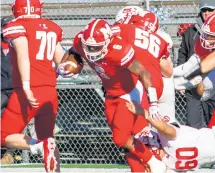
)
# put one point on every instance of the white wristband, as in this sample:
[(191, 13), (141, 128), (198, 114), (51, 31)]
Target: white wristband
[(26, 85), (152, 94)]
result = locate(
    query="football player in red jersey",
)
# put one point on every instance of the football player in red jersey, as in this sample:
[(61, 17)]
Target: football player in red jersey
[(148, 22), (155, 55), (35, 44), (124, 79), (154, 46), (204, 47), (202, 61)]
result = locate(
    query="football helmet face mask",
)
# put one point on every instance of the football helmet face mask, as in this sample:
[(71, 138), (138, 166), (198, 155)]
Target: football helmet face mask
[(148, 21), (125, 14), (95, 39), (208, 37), (27, 8)]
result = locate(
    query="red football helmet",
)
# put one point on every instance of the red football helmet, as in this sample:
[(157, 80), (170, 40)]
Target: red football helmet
[(148, 21), (95, 39), (208, 36), (125, 14), (27, 8)]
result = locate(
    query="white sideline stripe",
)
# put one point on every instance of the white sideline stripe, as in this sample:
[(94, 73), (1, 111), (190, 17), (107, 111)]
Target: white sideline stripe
[(128, 57)]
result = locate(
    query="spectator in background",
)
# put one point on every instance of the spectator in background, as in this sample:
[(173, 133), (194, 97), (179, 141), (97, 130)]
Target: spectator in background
[(197, 110), (6, 68), (6, 83)]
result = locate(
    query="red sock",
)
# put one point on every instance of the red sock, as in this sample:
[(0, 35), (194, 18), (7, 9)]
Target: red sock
[(212, 120), (134, 163), (141, 151)]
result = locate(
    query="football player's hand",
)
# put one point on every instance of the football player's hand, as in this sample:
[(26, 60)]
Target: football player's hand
[(154, 112), (31, 99), (64, 73), (135, 108)]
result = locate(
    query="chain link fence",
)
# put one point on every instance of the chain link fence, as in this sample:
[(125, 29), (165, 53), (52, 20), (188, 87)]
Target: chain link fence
[(81, 129)]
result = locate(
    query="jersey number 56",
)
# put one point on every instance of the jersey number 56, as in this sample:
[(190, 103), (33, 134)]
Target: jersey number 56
[(147, 41)]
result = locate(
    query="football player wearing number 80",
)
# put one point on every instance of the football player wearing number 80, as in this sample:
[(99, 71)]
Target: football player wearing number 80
[(35, 44), (181, 147)]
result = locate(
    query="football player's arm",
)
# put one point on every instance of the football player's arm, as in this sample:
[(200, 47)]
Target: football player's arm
[(164, 128), (208, 63), (138, 69), (20, 45), (166, 66), (58, 55), (69, 52)]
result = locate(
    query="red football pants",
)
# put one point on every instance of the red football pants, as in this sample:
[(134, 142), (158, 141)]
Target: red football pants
[(134, 163), (18, 113), (121, 121)]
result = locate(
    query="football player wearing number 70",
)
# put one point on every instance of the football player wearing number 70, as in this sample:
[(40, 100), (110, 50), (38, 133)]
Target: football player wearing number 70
[(35, 44), (182, 147)]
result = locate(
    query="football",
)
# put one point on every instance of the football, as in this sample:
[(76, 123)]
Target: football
[(72, 64)]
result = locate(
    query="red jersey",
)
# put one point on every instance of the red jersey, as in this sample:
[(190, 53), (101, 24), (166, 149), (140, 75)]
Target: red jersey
[(115, 77), (43, 36), (201, 51), (149, 49)]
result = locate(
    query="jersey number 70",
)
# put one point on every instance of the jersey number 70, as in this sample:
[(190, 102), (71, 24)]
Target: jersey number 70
[(48, 41)]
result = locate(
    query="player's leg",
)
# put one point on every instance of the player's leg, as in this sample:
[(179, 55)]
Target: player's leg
[(121, 121), (44, 126), (122, 125), (8, 155), (17, 114), (134, 163)]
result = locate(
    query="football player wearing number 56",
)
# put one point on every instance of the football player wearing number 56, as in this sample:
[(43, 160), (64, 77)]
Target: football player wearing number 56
[(181, 147), (35, 44)]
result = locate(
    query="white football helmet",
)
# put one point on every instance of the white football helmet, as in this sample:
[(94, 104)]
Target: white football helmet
[(125, 14)]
